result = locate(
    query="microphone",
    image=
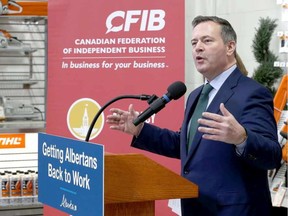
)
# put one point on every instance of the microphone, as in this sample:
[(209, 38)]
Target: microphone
[(138, 97), (174, 92)]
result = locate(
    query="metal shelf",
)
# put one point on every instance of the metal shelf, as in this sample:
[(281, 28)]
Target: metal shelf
[(26, 84), (28, 210), (26, 49), (22, 126), (23, 68)]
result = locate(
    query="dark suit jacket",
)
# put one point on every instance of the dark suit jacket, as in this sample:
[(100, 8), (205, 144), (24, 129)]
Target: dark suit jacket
[(229, 184)]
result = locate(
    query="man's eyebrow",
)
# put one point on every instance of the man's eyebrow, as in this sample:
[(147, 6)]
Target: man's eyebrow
[(202, 37)]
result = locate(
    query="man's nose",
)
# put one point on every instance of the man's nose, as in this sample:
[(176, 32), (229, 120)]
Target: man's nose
[(199, 46)]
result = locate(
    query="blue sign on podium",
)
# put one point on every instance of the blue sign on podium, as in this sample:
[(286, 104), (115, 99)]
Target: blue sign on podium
[(71, 175)]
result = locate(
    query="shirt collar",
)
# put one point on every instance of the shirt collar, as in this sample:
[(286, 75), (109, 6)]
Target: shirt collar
[(217, 82)]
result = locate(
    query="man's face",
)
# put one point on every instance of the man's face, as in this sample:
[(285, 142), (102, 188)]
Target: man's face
[(209, 52)]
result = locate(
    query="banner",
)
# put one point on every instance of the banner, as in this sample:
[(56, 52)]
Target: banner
[(72, 169), (99, 50)]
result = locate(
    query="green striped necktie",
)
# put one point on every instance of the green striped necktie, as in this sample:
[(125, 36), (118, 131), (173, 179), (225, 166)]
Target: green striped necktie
[(200, 108)]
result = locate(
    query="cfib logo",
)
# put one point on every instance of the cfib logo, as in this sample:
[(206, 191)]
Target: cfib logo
[(149, 20)]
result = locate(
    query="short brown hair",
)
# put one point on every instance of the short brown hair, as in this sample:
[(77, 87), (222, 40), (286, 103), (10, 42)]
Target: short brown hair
[(227, 31)]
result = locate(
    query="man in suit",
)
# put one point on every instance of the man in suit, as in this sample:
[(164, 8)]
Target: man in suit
[(236, 140)]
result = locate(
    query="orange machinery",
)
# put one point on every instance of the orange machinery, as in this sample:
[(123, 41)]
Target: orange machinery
[(280, 98), (280, 101), (23, 8), (284, 134)]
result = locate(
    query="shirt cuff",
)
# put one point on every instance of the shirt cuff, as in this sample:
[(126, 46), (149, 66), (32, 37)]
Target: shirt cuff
[(240, 147)]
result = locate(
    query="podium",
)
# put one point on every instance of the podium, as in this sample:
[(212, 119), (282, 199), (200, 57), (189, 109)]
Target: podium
[(133, 182)]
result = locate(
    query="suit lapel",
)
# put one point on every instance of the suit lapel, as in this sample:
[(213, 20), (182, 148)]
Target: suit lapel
[(222, 96), (191, 104)]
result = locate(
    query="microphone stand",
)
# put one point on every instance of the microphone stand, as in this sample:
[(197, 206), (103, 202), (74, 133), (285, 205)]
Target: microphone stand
[(139, 97)]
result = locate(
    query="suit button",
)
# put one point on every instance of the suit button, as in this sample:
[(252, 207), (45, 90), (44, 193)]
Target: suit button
[(186, 172), (251, 157)]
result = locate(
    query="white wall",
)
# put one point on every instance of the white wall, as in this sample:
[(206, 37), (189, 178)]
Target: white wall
[(244, 16)]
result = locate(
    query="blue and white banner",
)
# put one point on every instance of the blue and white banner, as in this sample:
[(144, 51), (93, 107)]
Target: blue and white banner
[(71, 175)]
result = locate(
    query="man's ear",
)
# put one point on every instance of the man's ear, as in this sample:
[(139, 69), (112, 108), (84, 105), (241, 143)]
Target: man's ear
[(231, 47)]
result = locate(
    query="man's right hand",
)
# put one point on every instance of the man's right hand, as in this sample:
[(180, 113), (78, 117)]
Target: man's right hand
[(123, 120)]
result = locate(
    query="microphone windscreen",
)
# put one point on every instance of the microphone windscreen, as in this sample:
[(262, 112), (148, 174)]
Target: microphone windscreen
[(176, 90)]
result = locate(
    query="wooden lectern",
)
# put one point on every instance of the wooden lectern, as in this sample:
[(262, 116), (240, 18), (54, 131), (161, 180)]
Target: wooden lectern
[(132, 183)]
